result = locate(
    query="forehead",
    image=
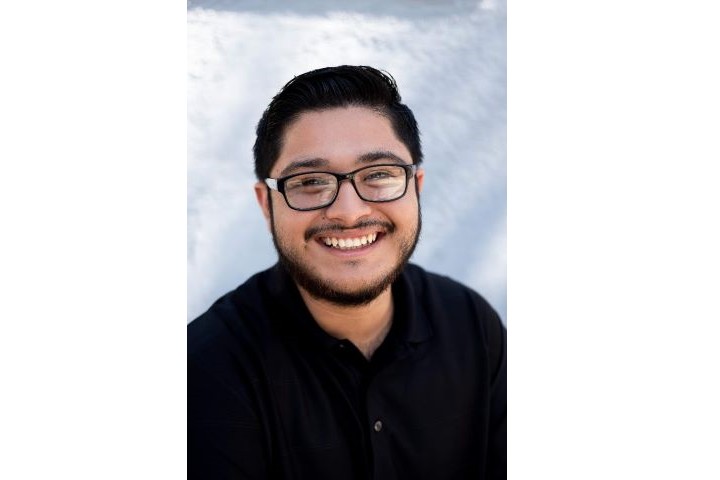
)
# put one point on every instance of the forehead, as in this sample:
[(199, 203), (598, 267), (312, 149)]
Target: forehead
[(339, 137)]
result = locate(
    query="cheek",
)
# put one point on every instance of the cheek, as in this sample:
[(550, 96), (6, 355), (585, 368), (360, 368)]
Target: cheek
[(291, 227), (404, 215)]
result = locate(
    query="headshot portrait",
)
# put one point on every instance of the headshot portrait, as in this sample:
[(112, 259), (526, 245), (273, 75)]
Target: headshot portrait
[(353, 176), (346, 241)]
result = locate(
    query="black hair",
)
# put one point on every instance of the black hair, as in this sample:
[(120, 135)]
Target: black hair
[(332, 87)]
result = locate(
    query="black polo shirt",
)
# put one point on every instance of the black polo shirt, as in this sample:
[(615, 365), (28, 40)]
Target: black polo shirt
[(271, 395)]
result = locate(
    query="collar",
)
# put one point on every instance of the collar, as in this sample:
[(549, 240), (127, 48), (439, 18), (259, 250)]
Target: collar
[(291, 316)]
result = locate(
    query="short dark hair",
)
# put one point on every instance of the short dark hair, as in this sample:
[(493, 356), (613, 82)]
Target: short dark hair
[(332, 87)]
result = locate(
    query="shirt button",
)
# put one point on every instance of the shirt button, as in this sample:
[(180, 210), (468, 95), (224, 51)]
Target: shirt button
[(377, 426)]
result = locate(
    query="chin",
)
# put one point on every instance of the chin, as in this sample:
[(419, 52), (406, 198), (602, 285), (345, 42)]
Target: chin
[(354, 287), (333, 289)]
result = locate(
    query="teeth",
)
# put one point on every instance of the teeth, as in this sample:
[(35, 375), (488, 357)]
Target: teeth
[(349, 243)]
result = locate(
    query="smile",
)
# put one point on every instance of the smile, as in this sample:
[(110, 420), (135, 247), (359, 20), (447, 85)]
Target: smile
[(349, 243)]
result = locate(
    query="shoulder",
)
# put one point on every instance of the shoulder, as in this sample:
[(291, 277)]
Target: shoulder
[(443, 291), (233, 326), (456, 309)]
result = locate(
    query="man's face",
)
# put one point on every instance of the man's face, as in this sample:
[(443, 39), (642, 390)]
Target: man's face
[(335, 140)]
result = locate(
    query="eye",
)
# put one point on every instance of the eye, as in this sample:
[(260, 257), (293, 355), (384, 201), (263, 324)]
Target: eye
[(314, 181), (378, 174), (382, 175), (309, 183)]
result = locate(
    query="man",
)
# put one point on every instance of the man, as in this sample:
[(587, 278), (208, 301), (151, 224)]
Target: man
[(344, 361)]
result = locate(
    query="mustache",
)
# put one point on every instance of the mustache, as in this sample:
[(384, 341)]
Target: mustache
[(314, 231)]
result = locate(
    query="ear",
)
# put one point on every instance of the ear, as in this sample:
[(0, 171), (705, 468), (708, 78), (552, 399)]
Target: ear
[(262, 194), (420, 176)]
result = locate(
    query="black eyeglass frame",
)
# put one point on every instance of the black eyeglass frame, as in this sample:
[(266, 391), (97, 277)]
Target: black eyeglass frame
[(278, 184)]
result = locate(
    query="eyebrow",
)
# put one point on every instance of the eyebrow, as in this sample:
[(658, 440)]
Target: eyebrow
[(379, 155), (305, 163), (318, 162)]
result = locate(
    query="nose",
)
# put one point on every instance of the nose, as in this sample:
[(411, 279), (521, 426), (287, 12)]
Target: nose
[(348, 207)]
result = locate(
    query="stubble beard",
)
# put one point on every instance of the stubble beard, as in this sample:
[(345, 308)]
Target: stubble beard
[(321, 289)]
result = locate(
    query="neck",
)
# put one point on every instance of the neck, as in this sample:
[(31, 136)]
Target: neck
[(365, 325)]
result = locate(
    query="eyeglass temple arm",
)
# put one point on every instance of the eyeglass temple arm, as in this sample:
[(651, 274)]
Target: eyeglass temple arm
[(272, 183)]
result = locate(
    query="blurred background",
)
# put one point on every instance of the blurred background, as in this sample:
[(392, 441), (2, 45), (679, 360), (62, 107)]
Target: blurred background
[(449, 60)]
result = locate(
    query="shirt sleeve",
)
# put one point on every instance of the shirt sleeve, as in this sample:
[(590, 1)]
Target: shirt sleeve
[(225, 439), (497, 431)]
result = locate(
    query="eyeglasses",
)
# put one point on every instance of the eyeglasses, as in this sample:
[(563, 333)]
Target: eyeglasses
[(315, 190)]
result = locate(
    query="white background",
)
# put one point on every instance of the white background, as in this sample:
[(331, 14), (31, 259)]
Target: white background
[(449, 62), (612, 239)]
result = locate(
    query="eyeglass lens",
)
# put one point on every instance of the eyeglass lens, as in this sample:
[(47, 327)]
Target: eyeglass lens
[(379, 184)]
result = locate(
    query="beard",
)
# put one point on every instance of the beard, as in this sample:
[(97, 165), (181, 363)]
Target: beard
[(322, 289)]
